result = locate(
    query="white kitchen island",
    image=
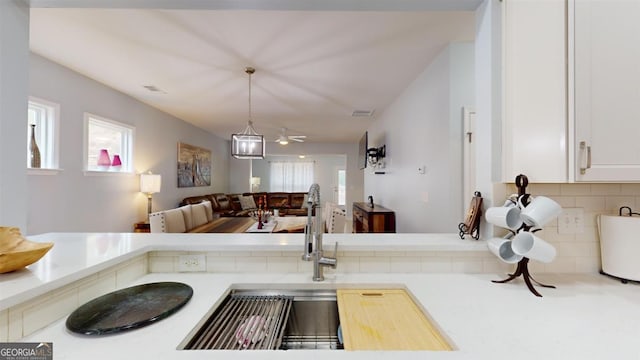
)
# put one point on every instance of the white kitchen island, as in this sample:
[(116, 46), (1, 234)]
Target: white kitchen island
[(586, 317)]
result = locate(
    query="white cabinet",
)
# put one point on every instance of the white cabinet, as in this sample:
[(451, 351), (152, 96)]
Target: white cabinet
[(607, 90), (572, 90), (535, 90)]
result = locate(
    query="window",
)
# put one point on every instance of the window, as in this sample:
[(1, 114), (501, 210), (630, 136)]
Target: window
[(44, 115), (291, 176), (108, 145)]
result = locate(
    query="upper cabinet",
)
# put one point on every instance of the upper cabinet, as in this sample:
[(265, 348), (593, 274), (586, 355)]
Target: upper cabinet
[(607, 90), (535, 90), (571, 90)]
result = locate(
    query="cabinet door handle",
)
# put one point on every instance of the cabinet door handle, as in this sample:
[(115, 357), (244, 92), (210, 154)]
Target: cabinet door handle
[(583, 147)]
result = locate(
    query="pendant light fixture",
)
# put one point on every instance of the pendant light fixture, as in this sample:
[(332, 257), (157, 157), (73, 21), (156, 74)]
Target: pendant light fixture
[(248, 144)]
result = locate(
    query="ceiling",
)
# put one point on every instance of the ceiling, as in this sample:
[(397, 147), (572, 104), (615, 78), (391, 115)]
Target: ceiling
[(313, 68)]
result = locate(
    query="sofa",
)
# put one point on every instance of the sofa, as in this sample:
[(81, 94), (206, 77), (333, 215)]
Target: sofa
[(188, 218), (287, 203), (201, 217)]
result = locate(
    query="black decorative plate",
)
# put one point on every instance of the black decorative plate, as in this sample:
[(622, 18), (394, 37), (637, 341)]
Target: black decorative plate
[(129, 308)]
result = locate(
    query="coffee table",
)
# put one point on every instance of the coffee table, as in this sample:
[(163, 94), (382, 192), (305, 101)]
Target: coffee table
[(230, 225), (280, 224), (266, 227)]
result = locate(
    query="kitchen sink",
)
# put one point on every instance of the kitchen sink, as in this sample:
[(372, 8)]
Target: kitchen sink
[(305, 317), (269, 319)]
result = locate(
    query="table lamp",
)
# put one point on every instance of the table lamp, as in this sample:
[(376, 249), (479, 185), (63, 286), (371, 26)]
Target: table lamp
[(149, 184)]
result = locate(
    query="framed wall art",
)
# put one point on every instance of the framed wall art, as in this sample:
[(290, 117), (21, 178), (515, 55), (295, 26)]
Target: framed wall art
[(194, 166)]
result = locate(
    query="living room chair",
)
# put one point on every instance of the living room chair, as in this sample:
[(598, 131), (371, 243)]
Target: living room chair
[(337, 221), (327, 209)]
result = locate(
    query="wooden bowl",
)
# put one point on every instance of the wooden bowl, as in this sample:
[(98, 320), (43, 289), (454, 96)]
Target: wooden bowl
[(17, 252)]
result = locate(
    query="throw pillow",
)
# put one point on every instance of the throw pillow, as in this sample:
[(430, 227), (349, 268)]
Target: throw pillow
[(247, 202)]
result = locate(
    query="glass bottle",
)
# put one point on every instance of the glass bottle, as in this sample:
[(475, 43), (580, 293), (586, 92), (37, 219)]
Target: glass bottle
[(34, 151)]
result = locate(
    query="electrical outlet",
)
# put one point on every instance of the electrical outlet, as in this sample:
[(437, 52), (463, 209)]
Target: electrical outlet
[(192, 263), (571, 221), (422, 169)]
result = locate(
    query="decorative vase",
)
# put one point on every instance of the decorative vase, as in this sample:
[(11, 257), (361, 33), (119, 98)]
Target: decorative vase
[(34, 151), (116, 160), (116, 164), (103, 159)]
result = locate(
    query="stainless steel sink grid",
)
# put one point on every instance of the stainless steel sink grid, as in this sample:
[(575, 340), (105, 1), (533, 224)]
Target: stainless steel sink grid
[(282, 319), (313, 323), (245, 322)]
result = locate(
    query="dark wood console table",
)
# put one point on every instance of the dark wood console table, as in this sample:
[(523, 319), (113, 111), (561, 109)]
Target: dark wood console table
[(376, 219)]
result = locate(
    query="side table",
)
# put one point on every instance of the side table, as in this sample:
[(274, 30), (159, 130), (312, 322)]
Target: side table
[(142, 227)]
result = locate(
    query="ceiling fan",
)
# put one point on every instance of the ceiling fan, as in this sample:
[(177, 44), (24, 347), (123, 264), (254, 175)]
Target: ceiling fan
[(283, 139)]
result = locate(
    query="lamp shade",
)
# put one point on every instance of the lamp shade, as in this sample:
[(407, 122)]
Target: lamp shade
[(150, 183), (255, 180)]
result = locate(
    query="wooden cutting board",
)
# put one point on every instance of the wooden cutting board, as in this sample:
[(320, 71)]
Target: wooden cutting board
[(385, 320)]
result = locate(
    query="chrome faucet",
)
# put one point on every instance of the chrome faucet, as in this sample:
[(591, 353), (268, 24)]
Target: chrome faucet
[(313, 231)]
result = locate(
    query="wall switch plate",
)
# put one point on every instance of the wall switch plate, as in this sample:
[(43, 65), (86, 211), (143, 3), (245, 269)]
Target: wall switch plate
[(192, 263), (422, 169), (571, 221)]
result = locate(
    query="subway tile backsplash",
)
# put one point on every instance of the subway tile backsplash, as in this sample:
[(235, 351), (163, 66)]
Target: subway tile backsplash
[(580, 252), (348, 262)]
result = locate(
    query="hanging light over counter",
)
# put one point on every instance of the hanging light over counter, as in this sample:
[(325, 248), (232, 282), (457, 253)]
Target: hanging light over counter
[(248, 144)]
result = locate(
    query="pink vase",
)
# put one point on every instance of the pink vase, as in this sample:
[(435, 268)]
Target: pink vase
[(103, 158), (116, 161)]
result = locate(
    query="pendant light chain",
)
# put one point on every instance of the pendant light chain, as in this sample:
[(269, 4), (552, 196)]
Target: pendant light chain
[(249, 72)]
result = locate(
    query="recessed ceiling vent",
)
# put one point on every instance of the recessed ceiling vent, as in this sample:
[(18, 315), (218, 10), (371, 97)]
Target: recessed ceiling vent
[(362, 113)]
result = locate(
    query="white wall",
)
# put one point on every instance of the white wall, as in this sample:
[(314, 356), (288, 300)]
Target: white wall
[(14, 75), (488, 62), (326, 175), (239, 175), (73, 201), (423, 127)]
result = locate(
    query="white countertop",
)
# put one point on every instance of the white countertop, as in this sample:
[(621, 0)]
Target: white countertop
[(586, 317), (77, 255)]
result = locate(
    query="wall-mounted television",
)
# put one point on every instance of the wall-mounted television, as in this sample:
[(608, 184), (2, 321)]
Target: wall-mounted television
[(362, 151)]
